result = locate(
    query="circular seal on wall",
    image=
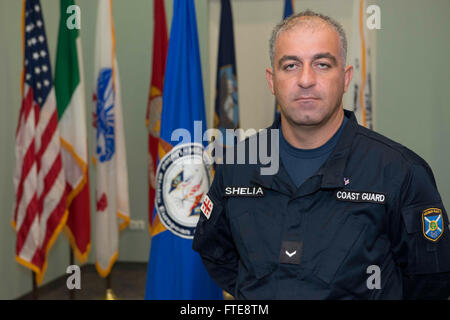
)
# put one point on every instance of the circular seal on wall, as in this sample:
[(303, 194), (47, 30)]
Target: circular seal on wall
[(182, 179)]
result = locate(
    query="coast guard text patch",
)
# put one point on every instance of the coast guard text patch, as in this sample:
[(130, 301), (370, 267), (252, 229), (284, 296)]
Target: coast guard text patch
[(360, 196)]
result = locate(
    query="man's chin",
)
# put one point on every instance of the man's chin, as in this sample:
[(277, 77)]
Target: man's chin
[(304, 121)]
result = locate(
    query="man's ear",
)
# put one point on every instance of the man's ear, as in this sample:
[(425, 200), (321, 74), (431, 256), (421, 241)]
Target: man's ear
[(348, 76), (269, 78)]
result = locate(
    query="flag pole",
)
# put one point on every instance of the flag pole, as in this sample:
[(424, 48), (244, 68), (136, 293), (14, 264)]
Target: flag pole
[(35, 290), (109, 292)]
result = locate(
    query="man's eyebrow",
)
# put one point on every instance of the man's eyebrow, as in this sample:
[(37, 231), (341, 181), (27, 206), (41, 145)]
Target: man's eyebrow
[(325, 55), (317, 56)]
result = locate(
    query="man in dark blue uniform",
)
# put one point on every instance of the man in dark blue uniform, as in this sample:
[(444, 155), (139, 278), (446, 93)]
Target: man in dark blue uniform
[(349, 214)]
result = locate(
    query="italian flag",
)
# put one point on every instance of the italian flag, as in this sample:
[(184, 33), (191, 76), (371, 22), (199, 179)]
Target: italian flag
[(70, 98)]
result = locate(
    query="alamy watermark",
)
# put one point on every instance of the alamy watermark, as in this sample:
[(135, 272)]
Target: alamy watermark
[(74, 280), (227, 146), (374, 20), (374, 280), (74, 20)]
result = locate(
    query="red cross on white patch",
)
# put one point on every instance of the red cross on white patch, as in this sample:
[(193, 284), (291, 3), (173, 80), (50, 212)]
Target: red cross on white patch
[(207, 207)]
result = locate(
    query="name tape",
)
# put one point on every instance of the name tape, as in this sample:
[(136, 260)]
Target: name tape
[(244, 192)]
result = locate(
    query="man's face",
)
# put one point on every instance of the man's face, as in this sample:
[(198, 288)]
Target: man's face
[(309, 78)]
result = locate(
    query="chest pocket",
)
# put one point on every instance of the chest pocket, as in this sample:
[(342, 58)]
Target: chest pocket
[(337, 243), (254, 235)]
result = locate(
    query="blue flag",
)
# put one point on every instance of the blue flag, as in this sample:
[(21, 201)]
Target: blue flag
[(288, 11), (175, 271), (226, 105), (288, 8)]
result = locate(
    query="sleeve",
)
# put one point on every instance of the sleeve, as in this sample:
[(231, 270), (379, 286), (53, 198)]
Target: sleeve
[(420, 238), (213, 239)]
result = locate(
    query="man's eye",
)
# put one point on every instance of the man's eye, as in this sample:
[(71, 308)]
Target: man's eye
[(323, 66), (290, 66)]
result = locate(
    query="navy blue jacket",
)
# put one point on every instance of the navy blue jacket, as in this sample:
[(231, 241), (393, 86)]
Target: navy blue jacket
[(369, 224)]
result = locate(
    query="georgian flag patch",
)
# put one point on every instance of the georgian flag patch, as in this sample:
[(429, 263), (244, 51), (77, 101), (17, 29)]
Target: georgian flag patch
[(207, 207)]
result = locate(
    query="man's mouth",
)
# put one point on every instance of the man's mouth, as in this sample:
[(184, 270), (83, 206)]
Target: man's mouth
[(306, 98)]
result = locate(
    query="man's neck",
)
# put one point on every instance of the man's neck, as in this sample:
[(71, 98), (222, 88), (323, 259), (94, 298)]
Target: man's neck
[(311, 137)]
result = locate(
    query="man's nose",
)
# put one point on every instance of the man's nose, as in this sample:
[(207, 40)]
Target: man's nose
[(306, 77)]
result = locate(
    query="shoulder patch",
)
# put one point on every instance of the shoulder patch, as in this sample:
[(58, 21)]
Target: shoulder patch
[(432, 224), (207, 207)]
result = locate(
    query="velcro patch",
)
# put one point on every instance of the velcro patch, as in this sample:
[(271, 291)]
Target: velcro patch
[(291, 252), (432, 224), (207, 207), (360, 196)]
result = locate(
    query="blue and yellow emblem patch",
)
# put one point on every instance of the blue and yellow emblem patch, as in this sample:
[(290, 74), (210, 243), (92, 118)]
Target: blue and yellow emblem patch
[(432, 225)]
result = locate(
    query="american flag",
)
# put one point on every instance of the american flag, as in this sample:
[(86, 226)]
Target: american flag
[(40, 208)]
